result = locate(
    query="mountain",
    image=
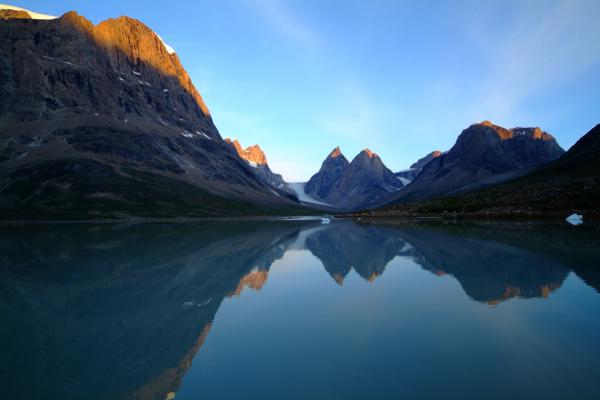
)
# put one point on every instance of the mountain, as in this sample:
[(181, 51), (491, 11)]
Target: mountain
[(256, 158), (320, 184), (569, 184), (408, 175), (351, 185), (104, 121), (483, 154)]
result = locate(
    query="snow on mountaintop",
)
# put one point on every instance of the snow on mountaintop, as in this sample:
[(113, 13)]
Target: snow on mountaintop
[(32, 14), (35, 15), (170, 50)]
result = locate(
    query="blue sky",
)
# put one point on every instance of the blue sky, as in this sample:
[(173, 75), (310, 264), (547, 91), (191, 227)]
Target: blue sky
[(400, 77)]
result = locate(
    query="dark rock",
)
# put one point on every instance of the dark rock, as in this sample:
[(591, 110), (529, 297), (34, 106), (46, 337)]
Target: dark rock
[(483, 154), (114, 94), (320, 185)]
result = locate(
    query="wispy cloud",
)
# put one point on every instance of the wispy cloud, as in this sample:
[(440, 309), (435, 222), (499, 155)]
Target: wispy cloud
[(280, 19), (545, 47), (355, 115)]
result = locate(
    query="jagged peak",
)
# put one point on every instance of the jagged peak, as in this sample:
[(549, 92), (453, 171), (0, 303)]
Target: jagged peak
[(335, 152), (368, 152), (535, 133), (252, 153)]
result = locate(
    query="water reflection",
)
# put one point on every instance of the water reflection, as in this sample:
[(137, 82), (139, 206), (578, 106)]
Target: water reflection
[(120, 311)]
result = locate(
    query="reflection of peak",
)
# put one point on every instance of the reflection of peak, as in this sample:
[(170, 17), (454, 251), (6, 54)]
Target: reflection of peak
[(343, 246), (255, 280), (488, 271), (338, 278), (169, 380)]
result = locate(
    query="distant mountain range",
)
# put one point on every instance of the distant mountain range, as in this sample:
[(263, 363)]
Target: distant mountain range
[(102, 121), (483, 154), (570, 183), (351, 185)]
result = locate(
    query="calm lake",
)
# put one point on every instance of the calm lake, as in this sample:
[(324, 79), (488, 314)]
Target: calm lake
[(300, 310)]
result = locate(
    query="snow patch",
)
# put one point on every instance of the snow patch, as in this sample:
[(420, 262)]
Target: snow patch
[(165, 90), (121, 79), (403, 180), (203, 134), (32, 14), (170, 50), (187, 134), (298, 189), (136, 73), (252, 164)]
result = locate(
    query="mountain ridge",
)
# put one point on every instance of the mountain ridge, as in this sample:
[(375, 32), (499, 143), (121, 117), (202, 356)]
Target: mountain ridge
[(82, 100)]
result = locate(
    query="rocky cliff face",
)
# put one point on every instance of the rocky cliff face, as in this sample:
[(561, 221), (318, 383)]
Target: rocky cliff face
[(320, 184), (364, 181), (483, 154), (252, 154), (94, 112), (415, 169), (257, 160)]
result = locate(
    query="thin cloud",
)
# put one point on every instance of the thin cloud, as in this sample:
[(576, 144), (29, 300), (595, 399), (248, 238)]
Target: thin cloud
[(281, 20), (544, 49)]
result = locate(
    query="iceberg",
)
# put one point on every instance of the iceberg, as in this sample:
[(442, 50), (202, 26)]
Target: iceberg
[(575, 219)]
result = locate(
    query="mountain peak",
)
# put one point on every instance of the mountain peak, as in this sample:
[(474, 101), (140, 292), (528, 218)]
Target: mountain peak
[(486, 123), (252, 154), (368, 152), (335, 152)]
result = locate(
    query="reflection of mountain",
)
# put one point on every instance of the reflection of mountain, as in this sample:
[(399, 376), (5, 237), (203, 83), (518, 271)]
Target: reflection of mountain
[(345, 245), (495, 262), (487, 271), (119, 313)]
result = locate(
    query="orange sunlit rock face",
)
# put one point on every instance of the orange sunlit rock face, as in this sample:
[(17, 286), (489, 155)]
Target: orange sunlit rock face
[(129, 38), (335, 153), (338, 278), (251, 153), (508, 134), (373, 276), (369, 153), (169, 380), (14, 14), (513, 292), (255, 280)]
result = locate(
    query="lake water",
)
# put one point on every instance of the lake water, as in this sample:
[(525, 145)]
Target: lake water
[(300, 310)]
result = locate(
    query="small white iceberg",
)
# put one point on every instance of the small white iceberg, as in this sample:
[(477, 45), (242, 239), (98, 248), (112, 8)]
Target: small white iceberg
[(575, 219), (326, 219)]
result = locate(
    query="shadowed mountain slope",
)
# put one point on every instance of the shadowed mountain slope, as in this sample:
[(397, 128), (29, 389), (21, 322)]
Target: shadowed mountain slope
[(569, 184), (483, 154), (93, 116)]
